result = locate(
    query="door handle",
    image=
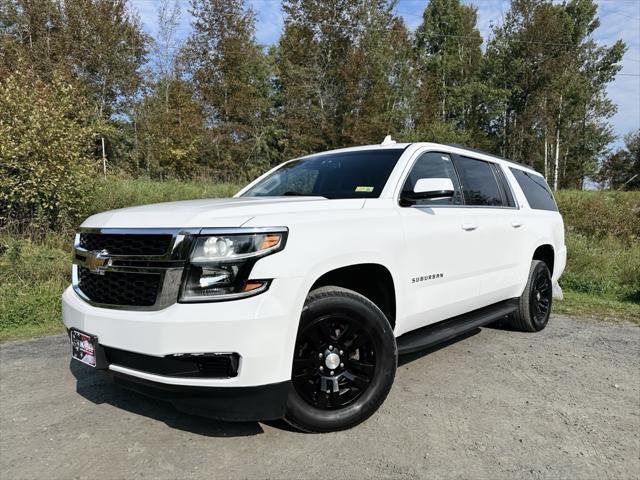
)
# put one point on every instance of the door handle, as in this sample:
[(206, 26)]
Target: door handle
[(516, 224), (469, 226)]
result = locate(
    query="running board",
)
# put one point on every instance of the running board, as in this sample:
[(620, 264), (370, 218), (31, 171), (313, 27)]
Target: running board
[(431, 335)]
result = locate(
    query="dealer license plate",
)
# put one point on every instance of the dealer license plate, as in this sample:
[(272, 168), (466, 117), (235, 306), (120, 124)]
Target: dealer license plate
[(83, 347)]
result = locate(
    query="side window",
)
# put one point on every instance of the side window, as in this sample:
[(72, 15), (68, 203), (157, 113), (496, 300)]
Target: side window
[(479, 184), (536, 190), (505, 188), (434, 165)]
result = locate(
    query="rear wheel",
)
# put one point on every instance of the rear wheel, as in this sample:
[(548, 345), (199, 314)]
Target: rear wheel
[(534, 307), (344, 361)]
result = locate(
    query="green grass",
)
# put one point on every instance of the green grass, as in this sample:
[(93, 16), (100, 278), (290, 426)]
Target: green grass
[(597, 306), (602, 278), (33, 277)]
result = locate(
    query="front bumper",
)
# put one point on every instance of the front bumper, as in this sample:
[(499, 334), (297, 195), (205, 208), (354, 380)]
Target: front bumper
[(264, 402), (260, 329)]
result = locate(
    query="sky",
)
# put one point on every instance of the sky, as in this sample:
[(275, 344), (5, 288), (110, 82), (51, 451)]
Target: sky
[(619, 19)]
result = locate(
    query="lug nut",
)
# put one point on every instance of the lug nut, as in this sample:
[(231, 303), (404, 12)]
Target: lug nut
[(332, 373), (321, 369), (341, 352), (342, 365), (330, 347), (320, 355)]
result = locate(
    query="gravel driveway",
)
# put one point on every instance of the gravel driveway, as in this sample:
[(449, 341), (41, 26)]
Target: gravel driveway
[(495, 404)]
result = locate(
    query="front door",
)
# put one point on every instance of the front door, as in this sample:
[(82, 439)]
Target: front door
[(439, 256)]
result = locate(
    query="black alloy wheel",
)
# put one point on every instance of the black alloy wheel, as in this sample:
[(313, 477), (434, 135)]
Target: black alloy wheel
[(534, 305), (334, 361), (541, 295), (344, 361)]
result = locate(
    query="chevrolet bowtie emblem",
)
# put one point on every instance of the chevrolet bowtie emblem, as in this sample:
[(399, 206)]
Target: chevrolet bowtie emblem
[(97, 261)]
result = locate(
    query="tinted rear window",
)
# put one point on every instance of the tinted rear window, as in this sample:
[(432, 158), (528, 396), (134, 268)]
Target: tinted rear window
[(536, 190), (479, 185)]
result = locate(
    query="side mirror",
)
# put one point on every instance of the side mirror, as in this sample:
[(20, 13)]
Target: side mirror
[(429, 188)]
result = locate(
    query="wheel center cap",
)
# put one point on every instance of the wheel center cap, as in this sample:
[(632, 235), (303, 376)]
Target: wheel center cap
[(332, 361)]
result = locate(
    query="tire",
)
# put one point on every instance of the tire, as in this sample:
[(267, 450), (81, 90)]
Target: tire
[(534, 306), (344, 364)]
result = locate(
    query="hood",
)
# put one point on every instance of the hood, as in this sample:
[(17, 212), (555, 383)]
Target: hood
[(223, 212)]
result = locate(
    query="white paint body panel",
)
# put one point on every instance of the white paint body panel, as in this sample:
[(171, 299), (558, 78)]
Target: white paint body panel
[(478, 267)]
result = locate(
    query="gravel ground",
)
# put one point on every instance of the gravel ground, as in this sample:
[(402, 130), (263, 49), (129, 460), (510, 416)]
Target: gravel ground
[(495, 404)]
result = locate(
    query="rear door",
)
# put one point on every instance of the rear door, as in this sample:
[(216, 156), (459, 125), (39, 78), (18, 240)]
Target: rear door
[(499, 238)]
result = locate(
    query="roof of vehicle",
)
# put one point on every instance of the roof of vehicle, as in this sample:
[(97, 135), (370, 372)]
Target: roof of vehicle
[(477, 150), (389, 144)]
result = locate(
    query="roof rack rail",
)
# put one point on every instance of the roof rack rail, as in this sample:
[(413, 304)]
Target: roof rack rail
[(477, 150)]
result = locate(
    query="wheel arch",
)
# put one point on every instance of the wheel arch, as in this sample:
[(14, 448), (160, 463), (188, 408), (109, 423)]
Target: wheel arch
[(372, 280), (546, 253)]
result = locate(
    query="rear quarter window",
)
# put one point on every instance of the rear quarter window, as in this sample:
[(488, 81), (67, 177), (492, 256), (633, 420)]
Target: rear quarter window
[(535, 189)]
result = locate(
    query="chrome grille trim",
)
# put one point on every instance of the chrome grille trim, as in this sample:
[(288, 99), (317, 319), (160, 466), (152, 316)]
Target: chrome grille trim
[(168, 266)]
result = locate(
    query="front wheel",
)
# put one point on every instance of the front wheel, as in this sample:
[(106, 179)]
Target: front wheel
[(344, 361), (534, 306)]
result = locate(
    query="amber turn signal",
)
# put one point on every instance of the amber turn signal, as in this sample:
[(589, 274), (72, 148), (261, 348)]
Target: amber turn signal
[(270, 240), (252, 285)]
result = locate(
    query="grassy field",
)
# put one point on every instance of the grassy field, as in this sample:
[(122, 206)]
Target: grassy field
[(602, 278)]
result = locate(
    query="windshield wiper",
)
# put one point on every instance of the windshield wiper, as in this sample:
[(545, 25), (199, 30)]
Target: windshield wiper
[(298, 194)]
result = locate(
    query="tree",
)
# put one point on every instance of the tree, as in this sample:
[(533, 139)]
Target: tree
[(621, 169), (447, 45), (555, 75), (168, 122), (33, 33), (379, 78), (47, 137), (99, 43), (231, 79), (171, 130), (106, 49), (343, 74)]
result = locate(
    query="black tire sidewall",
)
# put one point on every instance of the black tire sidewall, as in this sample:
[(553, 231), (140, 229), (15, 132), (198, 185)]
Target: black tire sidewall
[(539, 269), (327, 300)]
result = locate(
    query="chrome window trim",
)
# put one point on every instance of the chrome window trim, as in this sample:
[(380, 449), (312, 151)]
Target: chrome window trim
[(405, 174), (493, 207)]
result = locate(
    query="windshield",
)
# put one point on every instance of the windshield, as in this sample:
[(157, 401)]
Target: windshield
[(355, 174)]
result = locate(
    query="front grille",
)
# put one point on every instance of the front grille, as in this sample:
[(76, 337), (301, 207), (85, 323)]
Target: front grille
[(127, 244), (120, 288), (221, 365)]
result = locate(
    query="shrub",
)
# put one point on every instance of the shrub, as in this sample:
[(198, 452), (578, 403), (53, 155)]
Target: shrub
[(601, 214), (119, 193), (46, 139), (33, 277), (602, 266)]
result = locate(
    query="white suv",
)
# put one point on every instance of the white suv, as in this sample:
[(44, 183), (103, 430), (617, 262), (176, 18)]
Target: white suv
[(294, 298)]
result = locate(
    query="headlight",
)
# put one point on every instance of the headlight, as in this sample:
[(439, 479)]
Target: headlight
[(220, 265)]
